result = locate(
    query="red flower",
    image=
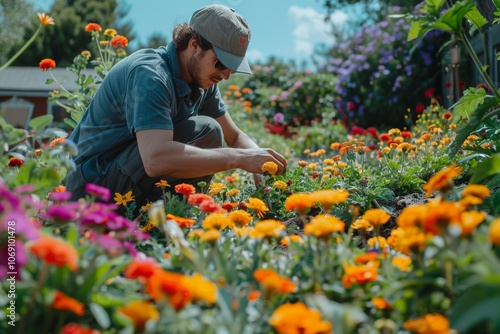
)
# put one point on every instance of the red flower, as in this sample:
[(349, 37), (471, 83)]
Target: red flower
[(46, 64), (119, 41), (384, 137), (371, 130), (429, 93), (15, 162), (185, 189), (447, 84), (350, 105), (357, 131), (406, 134), (92, 27), (447, 115), (419, 108)]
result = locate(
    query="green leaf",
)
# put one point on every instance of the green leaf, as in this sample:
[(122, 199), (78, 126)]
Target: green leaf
[(476, 18), (497, 4), (468, 103), (454, 16), (486, 168), (41, 122), (416, 29), (100, 314), (477, 304)]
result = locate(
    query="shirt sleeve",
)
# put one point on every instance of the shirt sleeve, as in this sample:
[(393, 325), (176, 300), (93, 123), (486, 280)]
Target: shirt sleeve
[(213, 104)]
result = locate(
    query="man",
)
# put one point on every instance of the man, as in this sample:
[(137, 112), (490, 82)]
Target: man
[(158, 114)]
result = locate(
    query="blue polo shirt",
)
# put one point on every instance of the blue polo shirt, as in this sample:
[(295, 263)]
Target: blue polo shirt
[(143, 91)]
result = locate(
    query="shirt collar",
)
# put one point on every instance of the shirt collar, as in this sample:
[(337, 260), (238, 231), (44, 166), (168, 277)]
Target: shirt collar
[(182, 88)]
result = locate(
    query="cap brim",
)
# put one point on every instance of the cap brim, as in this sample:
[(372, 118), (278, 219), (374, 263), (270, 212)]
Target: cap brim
[(233, 62)]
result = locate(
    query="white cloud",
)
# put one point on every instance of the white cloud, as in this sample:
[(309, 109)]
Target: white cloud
[(255, 55), (311, 28)]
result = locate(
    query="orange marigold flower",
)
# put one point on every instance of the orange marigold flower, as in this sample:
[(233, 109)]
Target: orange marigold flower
[(360, 274), (253, 295), (45, 20), (140, 312), (218, 221), (494, 232), (15, 162), (469, 220), (407, 240), (90, 27), (46, 64), (56, 141), (401, 262), (292, 238), (280, 185), (376, 217), (66, 303), (428, 324), (269, 228), (367, 257), (270, 167), (362, 224), (377, 242), (477, 190), (141, 268), (442, 180), (301, 203), (169, 285), (302, 163), (381, 303), (240, 218), (274, 283), (440, 215), (182, 222), (119, 41), (55, 251), (185, 189), (233, 192), (258, 206), (109, 32), (330, 197), (324, 225), (298, 318)]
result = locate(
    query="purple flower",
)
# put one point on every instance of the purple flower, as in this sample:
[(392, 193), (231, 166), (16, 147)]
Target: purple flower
[(61, 213), (60, 196), (279, 117)]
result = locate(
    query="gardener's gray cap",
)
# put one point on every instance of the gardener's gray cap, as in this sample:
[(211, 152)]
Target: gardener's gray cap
[(227, 31)]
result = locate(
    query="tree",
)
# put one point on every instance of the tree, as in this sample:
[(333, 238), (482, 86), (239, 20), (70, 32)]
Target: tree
[(67, 38), (15, 19)]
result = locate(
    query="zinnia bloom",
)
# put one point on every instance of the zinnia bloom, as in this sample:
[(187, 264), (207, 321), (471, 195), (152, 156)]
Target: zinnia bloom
[(211, 235), (15, 162), (66, 303), (240, 218), (217, 221), (110, 32), (141, 268), (98, 191), (45, 20), (376, 217), (215, 188), (162, 183), (185, 189), (202, 289), (119, 41), (274, 283), (92, 27), (182, 222), (360, 274), (330, 197), (46, 64), (269, 228), (55, 251), (301, 203), (323, 226), (140, 312), (169, 285)]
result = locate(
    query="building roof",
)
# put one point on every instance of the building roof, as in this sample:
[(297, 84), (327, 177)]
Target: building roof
[(33, 81)]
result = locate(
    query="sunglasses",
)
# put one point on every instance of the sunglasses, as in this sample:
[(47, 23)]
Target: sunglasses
[(219, 65)]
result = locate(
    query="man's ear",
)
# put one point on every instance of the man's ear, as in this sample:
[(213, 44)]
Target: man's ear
[(193, 43)]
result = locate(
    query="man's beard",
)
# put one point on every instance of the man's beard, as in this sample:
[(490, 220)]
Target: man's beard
[(194, 69)]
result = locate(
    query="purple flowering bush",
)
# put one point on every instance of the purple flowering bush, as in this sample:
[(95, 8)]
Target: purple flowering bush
[(379, 76)]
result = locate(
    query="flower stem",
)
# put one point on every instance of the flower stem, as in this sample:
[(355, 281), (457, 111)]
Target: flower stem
[(21, 50)]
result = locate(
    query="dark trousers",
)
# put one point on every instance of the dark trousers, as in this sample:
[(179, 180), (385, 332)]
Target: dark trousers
[(126, 172)]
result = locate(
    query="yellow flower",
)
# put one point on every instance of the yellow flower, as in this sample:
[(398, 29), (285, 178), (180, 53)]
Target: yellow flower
[(162, 183), (401, 262), (240, 218), (381, 303), (362, 224), (323, 226), (269, 228), (376, 217), (280, 185), (233, 192), (110, 32), (494, 232), (218, 221), (274, 283), (258, 206), (469, 220), (45, 19), (215, 188), (86, 54), (201, 289), (140, 312), (330, 197), (210, 236), (476, 190), (123, 199), (270, 167)]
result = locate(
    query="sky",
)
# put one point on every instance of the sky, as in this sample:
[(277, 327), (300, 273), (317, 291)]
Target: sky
[(285, 29)]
